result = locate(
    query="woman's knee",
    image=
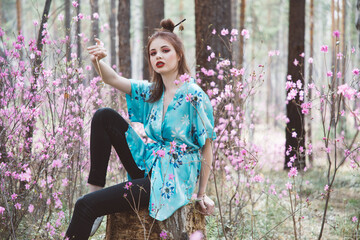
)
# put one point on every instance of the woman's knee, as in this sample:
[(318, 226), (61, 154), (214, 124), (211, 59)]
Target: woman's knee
[(84, 207)]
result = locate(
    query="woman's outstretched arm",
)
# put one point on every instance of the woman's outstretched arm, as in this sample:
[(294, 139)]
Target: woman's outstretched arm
[(205, 202), (109, 76)]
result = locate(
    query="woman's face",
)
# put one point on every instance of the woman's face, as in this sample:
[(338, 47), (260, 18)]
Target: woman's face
[(163, 57)]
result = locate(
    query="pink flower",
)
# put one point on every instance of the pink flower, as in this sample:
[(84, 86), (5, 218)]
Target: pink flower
[(354, 219), (188, 97), (289, 186), (95, 15), (185, 78), (296, 62), (326, 188), (346, 91), (294, 134), (75, 4), (171, 176), (213, 31), (163, 234), (293, 172), (324, 48), (311, 60), (128, 185), (302, 55), (338, 75), (17, 206), (31, 208), (329, 74), (160, 153), (224, 32), (336, 33), (245, 33), (234, 32), (183, 147), (355, 71), (14, 196), (196, 235), (2, 210), (176, 82), (208, 47)]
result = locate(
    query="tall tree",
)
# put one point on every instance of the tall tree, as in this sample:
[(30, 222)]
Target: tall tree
[(296, 46), (310, 81), (124, 38), (36, 72), (358, 21), (209, 15), (67, 29), (19, 15), (112, 23), (95, 22), (78, 31), (153, 12), (241, 38)]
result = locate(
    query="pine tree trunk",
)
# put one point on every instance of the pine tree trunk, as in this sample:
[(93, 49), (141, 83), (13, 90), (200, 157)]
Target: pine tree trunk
[(209, 15), (67, 30), (179, 226), (78, 31), (343, 61), (310, 81), (293, 109), (19, 15), (124, 38), (241, 38), (153, 12), (112, 24), (358, 21)]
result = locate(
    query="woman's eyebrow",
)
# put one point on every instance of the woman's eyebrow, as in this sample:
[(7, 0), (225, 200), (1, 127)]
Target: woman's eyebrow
[(164, 46)]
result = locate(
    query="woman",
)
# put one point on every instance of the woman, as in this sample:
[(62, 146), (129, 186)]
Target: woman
[(176, 114)]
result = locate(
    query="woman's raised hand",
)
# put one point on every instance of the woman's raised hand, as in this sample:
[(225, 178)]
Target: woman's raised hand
[(97, 51)]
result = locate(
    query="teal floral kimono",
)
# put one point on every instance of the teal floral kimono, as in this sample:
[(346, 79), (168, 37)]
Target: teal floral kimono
[(175, 157)]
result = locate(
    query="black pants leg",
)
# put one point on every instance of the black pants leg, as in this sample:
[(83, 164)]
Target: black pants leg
[(108, 129)]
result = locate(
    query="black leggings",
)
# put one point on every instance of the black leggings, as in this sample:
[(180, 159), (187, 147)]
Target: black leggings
[(108, 129)]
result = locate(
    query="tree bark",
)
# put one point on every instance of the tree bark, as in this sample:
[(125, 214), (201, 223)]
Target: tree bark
[(124, 38), (153, 11), (18, 15), (293, 109), (209, 15), (241, 38), (78, 31), (310, 81), (67, 30), (179, 226), (112, 24), (358, 20)]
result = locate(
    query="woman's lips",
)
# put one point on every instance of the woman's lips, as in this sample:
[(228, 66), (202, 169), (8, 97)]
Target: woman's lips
[(160, 64)]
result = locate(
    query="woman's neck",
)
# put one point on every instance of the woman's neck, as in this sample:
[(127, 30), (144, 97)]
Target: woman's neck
[(168, 80)]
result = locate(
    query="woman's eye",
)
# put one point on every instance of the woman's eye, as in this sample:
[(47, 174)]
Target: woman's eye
[(166, 50), (152, 53)]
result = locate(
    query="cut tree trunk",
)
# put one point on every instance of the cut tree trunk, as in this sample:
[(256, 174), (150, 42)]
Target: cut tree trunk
[(179, 226)]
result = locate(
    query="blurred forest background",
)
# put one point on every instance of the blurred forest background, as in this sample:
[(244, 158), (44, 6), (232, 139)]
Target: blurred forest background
[(278, 156)]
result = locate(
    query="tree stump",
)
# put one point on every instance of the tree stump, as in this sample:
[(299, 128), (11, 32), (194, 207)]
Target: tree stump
[(179, 226)]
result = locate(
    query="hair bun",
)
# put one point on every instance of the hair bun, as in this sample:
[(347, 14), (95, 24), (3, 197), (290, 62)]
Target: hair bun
[(167, 24)]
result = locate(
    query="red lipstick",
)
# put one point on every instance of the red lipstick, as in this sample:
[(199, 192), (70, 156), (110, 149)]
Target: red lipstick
[(160, 64)]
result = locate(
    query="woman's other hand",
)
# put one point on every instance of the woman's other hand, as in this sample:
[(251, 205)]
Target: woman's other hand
[(97, 51), (207, 205)]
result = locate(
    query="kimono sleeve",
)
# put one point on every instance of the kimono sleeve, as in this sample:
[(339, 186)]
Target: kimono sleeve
[(203, 118), (136, 102)]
